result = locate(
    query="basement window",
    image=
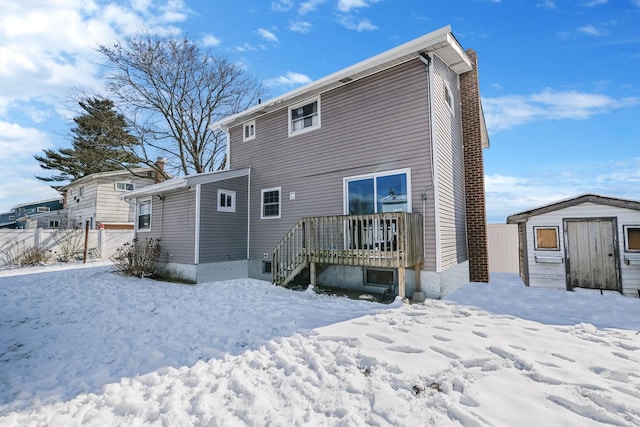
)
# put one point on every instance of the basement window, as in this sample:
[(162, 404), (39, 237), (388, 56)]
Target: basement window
[(546, 238), (266, 267), (379, 277), (632, 238)]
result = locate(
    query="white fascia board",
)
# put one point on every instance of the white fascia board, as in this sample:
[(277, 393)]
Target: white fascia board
[(440, 41), (162, 187)]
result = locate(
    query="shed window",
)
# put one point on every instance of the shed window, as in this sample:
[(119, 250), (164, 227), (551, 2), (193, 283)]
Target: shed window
[(632, 238), (546, 238)]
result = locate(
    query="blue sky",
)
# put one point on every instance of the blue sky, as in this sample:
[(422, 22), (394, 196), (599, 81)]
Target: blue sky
[(559, 79)]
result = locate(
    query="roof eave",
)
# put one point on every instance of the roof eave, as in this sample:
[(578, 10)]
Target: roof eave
[(440, 41)]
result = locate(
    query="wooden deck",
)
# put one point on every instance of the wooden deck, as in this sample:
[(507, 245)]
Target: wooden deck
[(388, 240)]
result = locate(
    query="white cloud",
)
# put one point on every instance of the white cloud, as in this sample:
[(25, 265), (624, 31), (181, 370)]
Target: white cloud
[(210, 40), (593, 3), (590, 30), (282, 5), (245, 48), (361, 25), (288, 79), (309, 6), (300, 27), (267, 35), (19, 142), (513, 110), (507, 195), (547, 4), (48, 46), (348, 5)]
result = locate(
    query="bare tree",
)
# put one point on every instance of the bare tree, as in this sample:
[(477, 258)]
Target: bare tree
[(172, 91)]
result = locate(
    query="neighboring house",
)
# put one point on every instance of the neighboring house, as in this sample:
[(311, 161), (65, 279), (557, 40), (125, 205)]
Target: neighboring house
[(27, 214), (7, 220), (354, 180), (95, 199), (588, 241)]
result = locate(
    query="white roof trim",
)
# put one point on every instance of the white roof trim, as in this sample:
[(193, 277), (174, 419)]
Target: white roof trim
[(184, 182), (441, 41)]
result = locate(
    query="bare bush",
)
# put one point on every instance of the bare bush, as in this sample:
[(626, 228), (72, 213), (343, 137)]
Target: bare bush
[(17, 253), (137, 258), (70, 243)]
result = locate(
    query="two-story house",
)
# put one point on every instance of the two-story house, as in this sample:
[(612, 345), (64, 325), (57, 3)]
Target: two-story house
[(370, 178), (28, 215)]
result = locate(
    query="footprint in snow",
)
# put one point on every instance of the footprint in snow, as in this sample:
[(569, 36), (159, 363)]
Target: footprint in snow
[(445, 353), (563, 357), (405, 349), (441, 338), (480, 334), (380, 338)]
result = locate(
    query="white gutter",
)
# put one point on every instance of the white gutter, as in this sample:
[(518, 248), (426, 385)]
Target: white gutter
[(440, 40)]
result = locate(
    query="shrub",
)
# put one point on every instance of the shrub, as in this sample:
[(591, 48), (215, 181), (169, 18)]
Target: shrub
[(17, 253), (137, 258), (70, 243)]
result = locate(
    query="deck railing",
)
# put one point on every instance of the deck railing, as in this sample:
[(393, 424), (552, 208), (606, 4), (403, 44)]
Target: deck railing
[(391, 240)]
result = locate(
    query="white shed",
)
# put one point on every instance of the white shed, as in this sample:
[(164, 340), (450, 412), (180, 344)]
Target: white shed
[(588, 241)]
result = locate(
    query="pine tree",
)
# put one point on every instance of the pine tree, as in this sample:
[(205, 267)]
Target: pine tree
[(101, 143)]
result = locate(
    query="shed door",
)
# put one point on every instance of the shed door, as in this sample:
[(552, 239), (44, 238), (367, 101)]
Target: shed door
[(591, 256)]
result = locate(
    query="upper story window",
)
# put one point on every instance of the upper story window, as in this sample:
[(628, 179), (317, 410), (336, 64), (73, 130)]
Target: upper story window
[(304, 116), (43, 209), (124, 186), (226, 201), (270, 203), (144, 215), (80, 191), (448, 98), (249, 130)]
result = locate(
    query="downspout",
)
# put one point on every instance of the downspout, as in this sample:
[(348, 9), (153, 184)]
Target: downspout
[(196, 257), (428, 60), (248, 213)]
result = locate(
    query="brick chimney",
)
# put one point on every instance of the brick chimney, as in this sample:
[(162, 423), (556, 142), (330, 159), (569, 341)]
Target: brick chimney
[(160, 164), (472, 136)]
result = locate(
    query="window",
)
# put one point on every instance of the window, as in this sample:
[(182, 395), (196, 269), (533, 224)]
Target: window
[(379, 277), (266, 267), (378, 193), (546, 238), (448, 98), (124, 186), (249, 130), (80, 191), (54, 223), (43, 209), (270, 203), (226, 201), (304, 116), (632, 238), (144, 215)]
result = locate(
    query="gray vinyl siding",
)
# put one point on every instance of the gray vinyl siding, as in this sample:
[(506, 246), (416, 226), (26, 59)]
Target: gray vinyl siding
[(223, 235), (449, 167), (173, 223), (376, 124)]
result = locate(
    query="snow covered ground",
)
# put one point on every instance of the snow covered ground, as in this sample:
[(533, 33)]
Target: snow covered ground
[(80, 345)]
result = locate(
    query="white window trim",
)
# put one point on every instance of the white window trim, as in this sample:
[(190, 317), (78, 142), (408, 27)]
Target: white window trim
[(231, 208), (141, 201), (626, 228), (301, 104), (124, 183), (264, 190), (546, 227), (345, 186), (244, 127)]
